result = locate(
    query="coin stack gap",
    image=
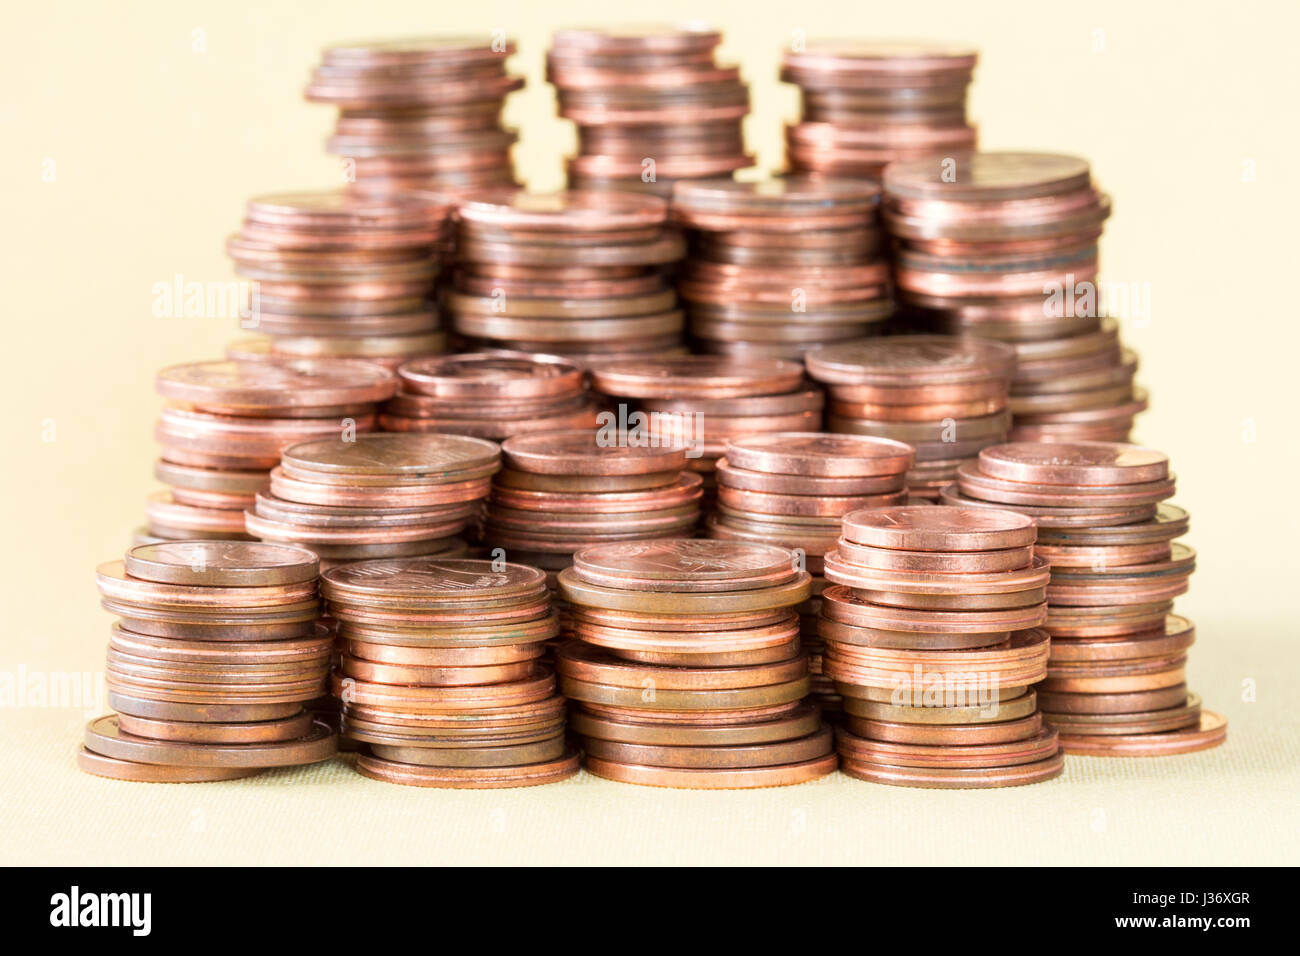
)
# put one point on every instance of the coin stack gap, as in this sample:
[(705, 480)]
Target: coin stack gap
[(1004, 246), (420, 113), (581, 274), (1115, 682), (440, 676), (217, 648), (686, 669), (782, 266), (946, 396), (227, 423), (792, 490), (933, 637), (869, 103), (490, 395), (338, 274), (651, 106), (376, 496)]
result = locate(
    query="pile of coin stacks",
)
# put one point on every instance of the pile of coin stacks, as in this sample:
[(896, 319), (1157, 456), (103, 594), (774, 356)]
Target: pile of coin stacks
[(574, 273), (1115, 683), (229, 421), (1004, 246), (945, 396), (932, 636), (420, 113), (700, 401), (339, 274), (439, 672), (651, 106), (781, 266), (792, 489), (376, 496), (218, 648), (490, 395), (686, 670), (869, 103)]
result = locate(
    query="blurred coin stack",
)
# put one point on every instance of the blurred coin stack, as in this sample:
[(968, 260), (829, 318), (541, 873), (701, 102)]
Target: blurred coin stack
[(792, 489), (686, 670), (439, 674), (945, 396), (932, 637), (580, 274), (227, 424), (342, 275), (651, 106), (869, 103), (1115, 683), (376, 496), (781, 266), (420, 113), (217, 649), (1004, 246)]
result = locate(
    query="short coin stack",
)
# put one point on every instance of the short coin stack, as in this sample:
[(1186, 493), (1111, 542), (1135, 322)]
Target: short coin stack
[(229, 421), (439, 674), (932, 637), (1115, 684), (943, 395), (576, 273), (781, 266), (420, 113), (686, 671), (869, 103), (651, 106), (490, 395), (380, 495), (218, 648)]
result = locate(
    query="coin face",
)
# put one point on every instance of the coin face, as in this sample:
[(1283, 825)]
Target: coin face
[(278, 383), (907, 359), (700, 376), (393, 454), (569, 210), (431, 578), (493, 375), (585, 452), (988, 176), (685, 559), (1074, 463), (939, 528), (221, 563), (819, 454)]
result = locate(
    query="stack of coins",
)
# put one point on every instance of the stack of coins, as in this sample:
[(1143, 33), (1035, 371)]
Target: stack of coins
[(439, 672), (490, 395), (932, 636), (1004, 246), (218, 647), (701, 401), (781, 266), (869, 103), (945, 396), (651, 106), (376, 496), (228, 423), (686, 671), (343, 275), (574, 273), (1115, 683), (420, 113)]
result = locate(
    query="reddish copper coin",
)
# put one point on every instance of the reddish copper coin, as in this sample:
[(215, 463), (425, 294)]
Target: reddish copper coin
[(939, 528)]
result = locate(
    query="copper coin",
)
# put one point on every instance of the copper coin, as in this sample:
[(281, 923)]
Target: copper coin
[(436, 675), (103, 736), (703, 376), (115, 584), (473, 778), (907, 360), (492, 375), (798, 723), (1210, 732), (946, 735), (265, 731), (685, 564), (589, 453), (683, 603), (277, 384), (832, 630), (953, 778), (732, 477), (711, 779), (429, 582), (409, 456), (999, 708), (434, 700), (1174, 636), (654, 700), (1133, 702), (221, 563), (938, 528), (582, 662), (469, 656), (988, 561), (496, 755), (713, 757), (103, 766), (1074, 463)]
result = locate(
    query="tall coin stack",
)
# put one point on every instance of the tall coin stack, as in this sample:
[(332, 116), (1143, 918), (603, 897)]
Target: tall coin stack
[(227, 424), (580, 274), (439, 674), (782, 266), (687, 671), (420, 113), (1004, 246), (943, 395), (870, 103), (217, 649), (651, 106), (933, 639), (1116, 680)]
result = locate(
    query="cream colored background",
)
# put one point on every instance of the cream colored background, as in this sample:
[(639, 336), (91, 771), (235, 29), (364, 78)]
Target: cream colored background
[(156, 148)]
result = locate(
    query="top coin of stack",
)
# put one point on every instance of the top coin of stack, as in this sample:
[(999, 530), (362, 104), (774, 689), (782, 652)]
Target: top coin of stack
[(782, 266), (651, 106), (869, 103), (420, 113)]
